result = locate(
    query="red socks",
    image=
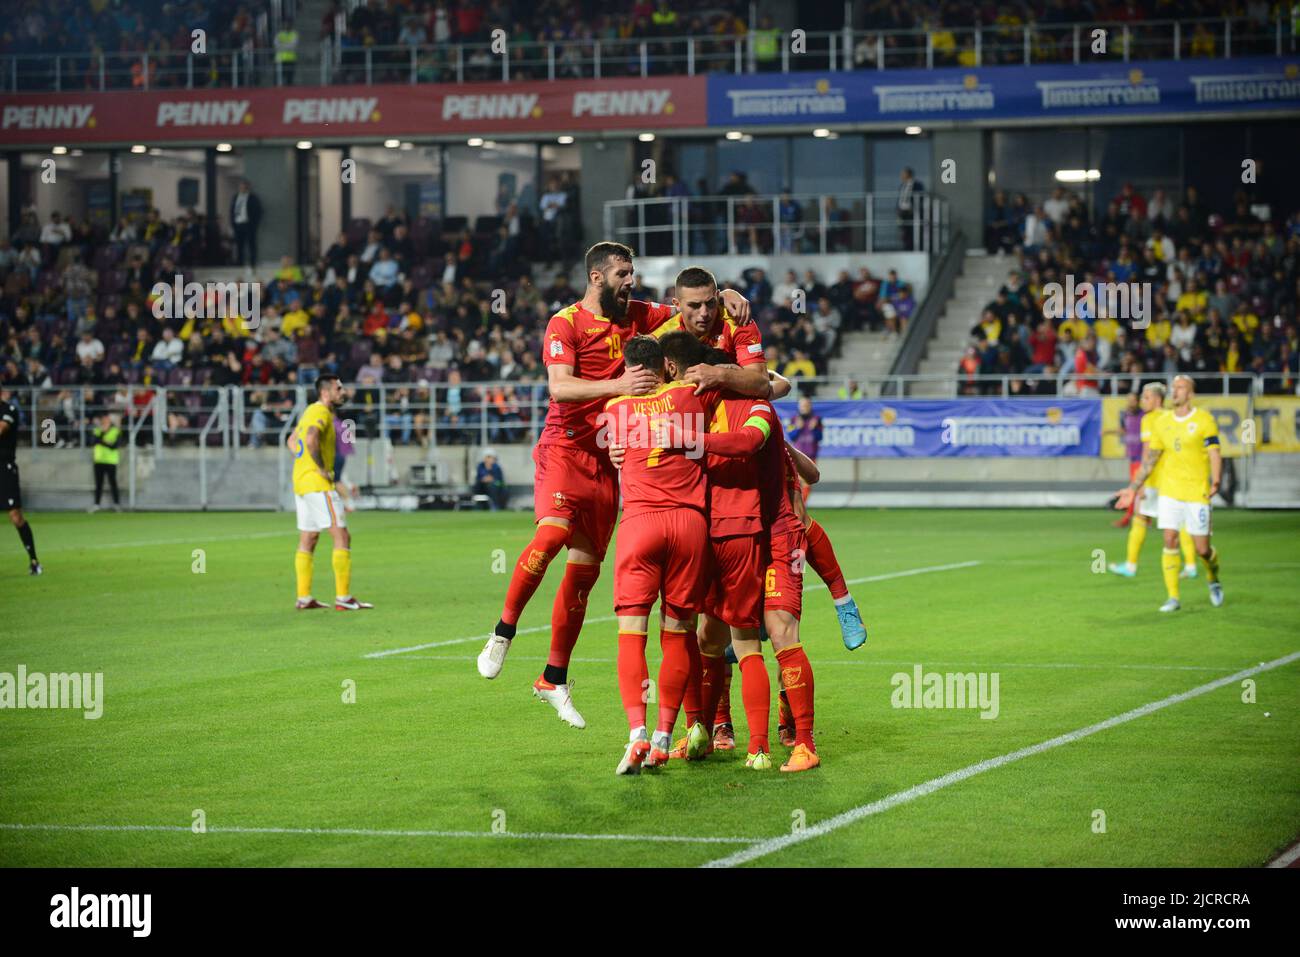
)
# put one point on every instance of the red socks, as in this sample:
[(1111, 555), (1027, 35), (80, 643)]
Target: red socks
[(821, 556), (691, 702), (570, 610), (531, 568), (633, 675), (756, 692), (674, 672), (797, 677), (716, 675), (723, 713)]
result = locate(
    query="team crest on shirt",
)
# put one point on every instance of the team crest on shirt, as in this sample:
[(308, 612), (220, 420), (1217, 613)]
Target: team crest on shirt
[(557, 347), (790, 677), (558, 497)]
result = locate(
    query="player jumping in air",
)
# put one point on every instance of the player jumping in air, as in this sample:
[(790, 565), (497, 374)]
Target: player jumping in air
[(575, 485), (1185, 444), (11, 493), (319, 505)]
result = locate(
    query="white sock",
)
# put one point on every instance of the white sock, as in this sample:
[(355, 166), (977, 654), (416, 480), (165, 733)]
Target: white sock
[(637, 734), (844, 601), (662, 740)]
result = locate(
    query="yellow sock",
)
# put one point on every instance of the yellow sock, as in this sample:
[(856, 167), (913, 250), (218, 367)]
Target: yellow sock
[(302, 565), (1212, 564), (1137, 534), (1188, 546), (342, 559), (1170, 562)]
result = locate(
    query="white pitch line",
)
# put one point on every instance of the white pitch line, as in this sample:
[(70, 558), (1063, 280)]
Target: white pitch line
[(591, 621), (775, 844), (868, 662), (191, 540), (1287, 859), (368, 832)]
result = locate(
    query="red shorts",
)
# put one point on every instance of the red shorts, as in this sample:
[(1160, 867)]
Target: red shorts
[(736, 595), (577, 485), (664, 552), (783, 586)]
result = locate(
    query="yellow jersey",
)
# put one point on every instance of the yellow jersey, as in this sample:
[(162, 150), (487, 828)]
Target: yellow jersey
[(1185, 454), (1147, 427), (306, 476)]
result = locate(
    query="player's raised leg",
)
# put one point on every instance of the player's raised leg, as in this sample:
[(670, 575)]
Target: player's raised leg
[(551, 535), (821, 556)]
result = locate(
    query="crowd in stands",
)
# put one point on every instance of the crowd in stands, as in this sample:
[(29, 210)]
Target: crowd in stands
[(1224, 292), (387, 31), (387, 302), (79, 31)]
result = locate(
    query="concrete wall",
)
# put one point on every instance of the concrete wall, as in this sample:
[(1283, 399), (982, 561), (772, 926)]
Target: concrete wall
[(607, 171), (966, 196), (270, 171)]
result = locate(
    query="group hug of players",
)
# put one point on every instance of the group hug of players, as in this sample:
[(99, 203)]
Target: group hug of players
[(677, 399)]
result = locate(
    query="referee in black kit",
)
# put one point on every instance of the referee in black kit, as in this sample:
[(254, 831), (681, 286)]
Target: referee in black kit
[(11, 495)]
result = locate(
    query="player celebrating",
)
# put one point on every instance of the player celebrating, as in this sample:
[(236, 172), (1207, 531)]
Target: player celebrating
[(701, 313), (1151, 403), (663, 537), (11, 493), (1185, 443), (319, 506), (575, 485)]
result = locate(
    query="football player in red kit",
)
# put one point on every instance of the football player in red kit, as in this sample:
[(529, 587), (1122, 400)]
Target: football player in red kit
[(662, 547), (576, 488)]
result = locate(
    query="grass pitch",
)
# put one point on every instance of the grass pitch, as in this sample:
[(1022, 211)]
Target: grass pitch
[(220, 698)]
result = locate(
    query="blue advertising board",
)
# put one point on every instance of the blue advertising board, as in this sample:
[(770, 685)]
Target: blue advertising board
[(973, 428), (1005, 92)]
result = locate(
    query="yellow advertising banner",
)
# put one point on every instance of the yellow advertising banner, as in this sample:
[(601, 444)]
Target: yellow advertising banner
[(1274, 427)]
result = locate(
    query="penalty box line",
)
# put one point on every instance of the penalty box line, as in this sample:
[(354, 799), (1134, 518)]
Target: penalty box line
[(906, 573), (771, 846), (386, 832)]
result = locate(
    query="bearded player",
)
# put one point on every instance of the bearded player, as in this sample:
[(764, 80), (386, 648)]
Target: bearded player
[(1185, 445), (575, 485)]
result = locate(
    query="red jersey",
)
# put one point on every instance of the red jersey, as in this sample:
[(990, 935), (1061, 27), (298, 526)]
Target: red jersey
[(658, 478), (593, 346), (779, 478), (742, 343), (735, 503)]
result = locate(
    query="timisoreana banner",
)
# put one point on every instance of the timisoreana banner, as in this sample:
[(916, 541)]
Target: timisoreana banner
[(1276, 423)]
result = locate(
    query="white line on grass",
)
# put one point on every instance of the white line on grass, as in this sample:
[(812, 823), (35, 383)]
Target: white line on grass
[(868, 662), (771, 846), (1287, 859), (906, 573), (368, 832), (192, 540)]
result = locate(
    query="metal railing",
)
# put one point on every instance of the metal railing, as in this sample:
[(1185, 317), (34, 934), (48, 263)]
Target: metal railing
[(756, 224), (342, 61)]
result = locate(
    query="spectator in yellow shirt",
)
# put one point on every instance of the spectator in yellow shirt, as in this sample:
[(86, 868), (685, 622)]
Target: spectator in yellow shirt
[(1193, 302), (1105, 329), (288, 270), (1078, 328), (799, 365), (295, 320), (1245, 320), (1159, 331)]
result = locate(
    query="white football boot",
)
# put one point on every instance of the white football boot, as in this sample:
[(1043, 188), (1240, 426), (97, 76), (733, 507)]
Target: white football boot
[(493, 656), (557, 696)]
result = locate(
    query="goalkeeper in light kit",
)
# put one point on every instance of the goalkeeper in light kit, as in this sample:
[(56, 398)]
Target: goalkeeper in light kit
[(319, 506), (1185, 445)]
